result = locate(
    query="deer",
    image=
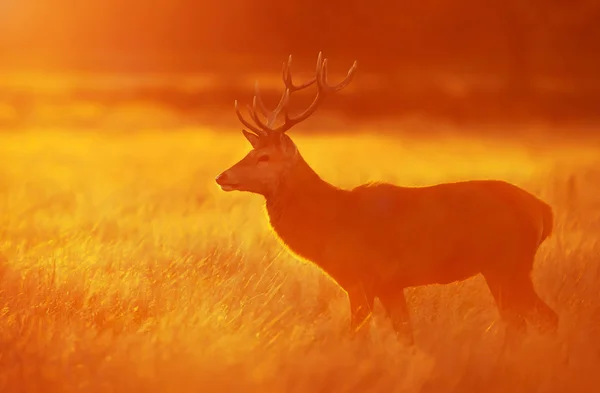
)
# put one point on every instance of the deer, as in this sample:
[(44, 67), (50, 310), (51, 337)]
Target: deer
[(377, 239)]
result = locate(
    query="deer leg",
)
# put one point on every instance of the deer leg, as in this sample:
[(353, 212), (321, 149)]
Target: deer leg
[(534, 309), (396, 308), (361, 305), (517, 296), (543, 316), (508, 300), (517, 301)]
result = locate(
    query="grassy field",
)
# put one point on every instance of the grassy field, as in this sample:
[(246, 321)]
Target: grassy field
[(123, 268)]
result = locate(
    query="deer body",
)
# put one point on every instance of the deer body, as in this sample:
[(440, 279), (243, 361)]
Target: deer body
[(377, 239), (399, 236)]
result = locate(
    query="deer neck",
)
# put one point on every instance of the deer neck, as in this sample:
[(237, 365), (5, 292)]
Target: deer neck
[(299, 187), (303, 212), (301, 200)]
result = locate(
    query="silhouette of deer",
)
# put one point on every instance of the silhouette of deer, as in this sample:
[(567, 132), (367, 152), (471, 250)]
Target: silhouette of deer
[(377, 239)]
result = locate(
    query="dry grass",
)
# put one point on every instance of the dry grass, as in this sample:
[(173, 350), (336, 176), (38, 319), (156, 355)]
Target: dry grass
[(123, 268)]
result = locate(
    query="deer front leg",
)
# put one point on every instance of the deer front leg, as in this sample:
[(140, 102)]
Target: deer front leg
[(361, 305)]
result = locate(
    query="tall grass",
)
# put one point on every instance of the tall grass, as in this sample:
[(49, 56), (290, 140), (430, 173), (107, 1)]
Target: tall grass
[(123, 268)]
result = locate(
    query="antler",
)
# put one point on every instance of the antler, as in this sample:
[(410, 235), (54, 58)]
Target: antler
[(267, 128)]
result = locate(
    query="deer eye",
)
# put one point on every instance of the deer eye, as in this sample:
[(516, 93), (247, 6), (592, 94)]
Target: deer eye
[(263, 158)]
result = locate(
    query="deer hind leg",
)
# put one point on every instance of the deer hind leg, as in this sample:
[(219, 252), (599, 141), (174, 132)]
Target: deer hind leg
[(518, 302), (544, 317), (394, 303)]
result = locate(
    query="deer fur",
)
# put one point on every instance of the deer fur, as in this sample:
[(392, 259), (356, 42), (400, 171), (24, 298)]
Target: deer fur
[(377, 239)]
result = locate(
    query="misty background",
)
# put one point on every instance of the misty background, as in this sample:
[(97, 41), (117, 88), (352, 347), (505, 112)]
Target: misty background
[(67, 62)]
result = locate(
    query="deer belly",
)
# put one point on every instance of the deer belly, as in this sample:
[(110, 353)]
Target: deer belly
[(444, 272), (422, 258)]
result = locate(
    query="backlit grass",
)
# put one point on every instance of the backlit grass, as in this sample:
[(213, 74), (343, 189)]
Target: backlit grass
[(124, 268)]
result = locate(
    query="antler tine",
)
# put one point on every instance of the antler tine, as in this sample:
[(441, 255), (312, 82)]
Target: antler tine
[(254, 115), (285, 97), (261, 105), (343, 83), (265, 129), (270, 115), (323, 89), (251, 127), (287, 76)]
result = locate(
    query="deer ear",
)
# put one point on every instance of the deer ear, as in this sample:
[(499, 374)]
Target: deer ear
[(252, 138)]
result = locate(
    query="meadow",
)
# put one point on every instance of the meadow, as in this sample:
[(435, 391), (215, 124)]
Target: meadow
[(124, 268)]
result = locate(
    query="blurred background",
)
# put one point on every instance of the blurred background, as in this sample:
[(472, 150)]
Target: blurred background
[(132, 64)]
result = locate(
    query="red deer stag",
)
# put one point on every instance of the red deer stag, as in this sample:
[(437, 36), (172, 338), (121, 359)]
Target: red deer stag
[(378, 238)]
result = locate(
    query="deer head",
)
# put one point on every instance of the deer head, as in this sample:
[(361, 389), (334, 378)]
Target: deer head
[(273, 152)]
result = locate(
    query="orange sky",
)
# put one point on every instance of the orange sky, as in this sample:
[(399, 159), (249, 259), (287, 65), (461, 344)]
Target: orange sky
[(184, 34), (58, 32)]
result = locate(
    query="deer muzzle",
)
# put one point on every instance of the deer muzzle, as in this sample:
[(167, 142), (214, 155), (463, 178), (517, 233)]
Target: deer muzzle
[(226, 182)]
